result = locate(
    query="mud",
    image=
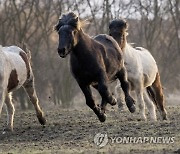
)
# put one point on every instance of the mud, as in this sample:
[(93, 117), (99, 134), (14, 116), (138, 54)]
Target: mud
[(73, 131)]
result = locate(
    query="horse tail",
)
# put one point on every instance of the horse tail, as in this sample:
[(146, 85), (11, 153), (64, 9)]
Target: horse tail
[(26, 50), (155, 92), (152, 94)]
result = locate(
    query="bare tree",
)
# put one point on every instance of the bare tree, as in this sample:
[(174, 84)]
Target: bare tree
[(153, 24)]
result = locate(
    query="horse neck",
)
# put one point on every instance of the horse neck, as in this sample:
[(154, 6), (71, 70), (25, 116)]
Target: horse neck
[(83, 46), (123, 42)]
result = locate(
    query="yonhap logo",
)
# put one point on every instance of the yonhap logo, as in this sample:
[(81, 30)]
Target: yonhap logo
[(101, 139)]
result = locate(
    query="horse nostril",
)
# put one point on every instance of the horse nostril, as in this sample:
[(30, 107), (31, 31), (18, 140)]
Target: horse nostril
[(62, 52)]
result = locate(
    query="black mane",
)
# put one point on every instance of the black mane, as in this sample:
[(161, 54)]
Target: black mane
[(68, 19)]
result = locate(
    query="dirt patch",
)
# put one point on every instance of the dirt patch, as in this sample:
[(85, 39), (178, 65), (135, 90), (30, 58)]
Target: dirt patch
[(73, 131)]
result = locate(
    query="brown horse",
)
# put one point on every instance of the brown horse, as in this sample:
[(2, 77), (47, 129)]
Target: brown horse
[(142, 71), (94, 62)]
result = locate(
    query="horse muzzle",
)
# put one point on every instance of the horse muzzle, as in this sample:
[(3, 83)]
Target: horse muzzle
[(63, 52)]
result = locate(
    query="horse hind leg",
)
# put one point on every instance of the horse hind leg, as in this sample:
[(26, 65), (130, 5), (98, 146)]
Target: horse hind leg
[(122, 76), (10, 112), (2, 98), (104, 91), (150, 106), (103, 102), (3, 93), (30, 89), (90, 101), (159, 96), (119, 97)]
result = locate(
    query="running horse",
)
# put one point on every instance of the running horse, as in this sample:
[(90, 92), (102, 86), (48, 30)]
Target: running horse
[(142, 70), (16, 72), (94, 62)]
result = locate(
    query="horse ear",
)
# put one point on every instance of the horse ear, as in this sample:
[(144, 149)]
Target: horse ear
[(77, 23), (126, 25), (77, 19)]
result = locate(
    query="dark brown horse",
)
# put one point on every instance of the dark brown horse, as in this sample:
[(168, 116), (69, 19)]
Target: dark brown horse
[(94, 62)]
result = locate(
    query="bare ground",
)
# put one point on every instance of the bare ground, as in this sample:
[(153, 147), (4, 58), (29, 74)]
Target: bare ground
[(73, 131)]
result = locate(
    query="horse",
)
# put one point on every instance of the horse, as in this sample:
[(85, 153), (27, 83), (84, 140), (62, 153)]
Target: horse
[(16, 72), (142, 70), (94, 62)]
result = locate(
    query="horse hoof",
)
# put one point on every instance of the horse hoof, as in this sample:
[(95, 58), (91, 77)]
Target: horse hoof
[(42, 120), (131, 104), (102, 118), (113, 102), (132, 109), (8, 129), (120, 105), (165, 118)]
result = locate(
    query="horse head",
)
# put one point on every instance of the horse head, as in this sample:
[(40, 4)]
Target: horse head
[(118, 30), (67, 27)]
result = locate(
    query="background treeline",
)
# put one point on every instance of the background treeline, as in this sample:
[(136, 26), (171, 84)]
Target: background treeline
[(153, 24)]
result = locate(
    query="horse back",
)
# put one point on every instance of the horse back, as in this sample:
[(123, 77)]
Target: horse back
[(112, 54), (112, 50), (109, 43), (140, 62)]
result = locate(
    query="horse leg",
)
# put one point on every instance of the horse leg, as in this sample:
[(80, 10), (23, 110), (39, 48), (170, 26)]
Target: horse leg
[(90, 101), (10, 111), (140, 99), (150, 106), (2, 98), (157, 87), (30, 89), (104, 92), (103, 102), (119, 97), (122, 76)]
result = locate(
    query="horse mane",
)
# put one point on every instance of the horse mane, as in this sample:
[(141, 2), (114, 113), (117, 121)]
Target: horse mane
[(139, 48), (70, 19)]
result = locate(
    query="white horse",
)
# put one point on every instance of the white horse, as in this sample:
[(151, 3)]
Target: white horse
[(142, 70), (16, 72)]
